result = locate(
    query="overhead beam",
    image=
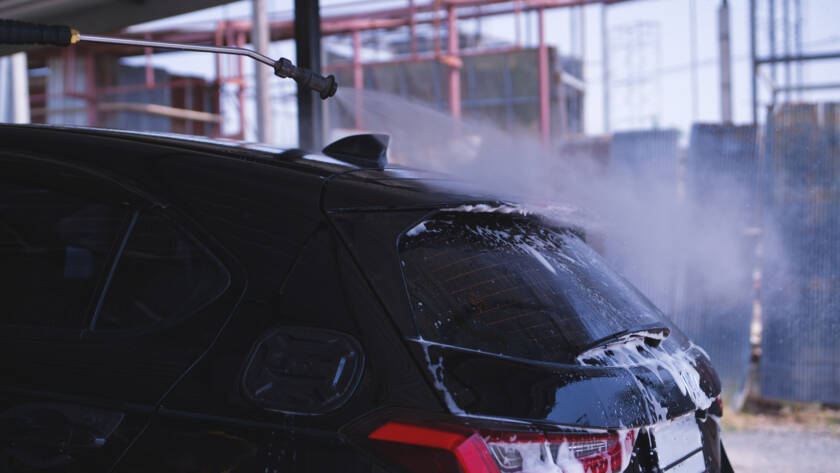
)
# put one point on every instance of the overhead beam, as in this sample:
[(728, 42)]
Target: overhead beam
[(99, 16), (807, 87), (797, 58)]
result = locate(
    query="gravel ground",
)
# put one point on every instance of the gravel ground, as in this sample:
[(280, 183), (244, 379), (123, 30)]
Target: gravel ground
[(783, 451)]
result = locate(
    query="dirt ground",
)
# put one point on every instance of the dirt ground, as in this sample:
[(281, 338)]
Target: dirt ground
[(783, 438)]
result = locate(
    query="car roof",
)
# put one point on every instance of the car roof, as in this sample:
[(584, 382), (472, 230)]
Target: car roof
[(350, 186), (62, 135)]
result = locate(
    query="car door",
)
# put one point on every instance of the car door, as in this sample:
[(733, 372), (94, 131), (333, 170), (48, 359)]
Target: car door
[(107, 301)]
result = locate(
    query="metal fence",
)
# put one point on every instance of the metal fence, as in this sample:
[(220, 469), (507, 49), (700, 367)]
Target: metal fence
[(715, 174), (787, 231), (644, 160), (801, 276), (721, 173)]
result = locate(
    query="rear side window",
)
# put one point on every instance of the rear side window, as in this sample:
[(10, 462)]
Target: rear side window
[(54, 251), (162, 274), (508, 284)]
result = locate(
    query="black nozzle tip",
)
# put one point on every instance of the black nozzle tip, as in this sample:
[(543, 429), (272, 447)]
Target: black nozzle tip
[(330, 89)]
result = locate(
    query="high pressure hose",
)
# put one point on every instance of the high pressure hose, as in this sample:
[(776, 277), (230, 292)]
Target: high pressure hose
[(13, 32)]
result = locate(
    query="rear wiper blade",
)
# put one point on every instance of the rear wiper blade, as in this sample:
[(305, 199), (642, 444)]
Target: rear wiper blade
[(651, 335)]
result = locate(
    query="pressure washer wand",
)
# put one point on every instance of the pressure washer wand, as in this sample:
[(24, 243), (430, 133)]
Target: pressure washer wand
[(19, 32)]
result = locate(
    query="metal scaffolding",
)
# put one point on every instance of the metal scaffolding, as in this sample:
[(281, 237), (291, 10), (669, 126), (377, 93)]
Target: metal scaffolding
[(239, 33), (791, 55)]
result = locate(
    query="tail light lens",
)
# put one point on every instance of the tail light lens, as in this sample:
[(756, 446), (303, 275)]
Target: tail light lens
[(423, 449), (457, 449), (595, 453)]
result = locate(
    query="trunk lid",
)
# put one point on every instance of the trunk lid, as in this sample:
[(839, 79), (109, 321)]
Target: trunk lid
[(614, 395)]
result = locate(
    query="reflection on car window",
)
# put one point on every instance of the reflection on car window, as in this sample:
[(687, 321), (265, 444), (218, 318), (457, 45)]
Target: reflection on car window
[(162, 274), (54, 249)]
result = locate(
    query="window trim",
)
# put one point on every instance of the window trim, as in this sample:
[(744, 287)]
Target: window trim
[(102, 291), (92, 331), (138, 202)]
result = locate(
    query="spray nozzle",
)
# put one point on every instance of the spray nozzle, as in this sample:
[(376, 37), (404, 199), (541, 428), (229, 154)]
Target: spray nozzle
[(325, 86)]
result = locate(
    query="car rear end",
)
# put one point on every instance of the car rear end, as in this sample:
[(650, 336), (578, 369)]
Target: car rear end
[(543, 358), (416, 442)]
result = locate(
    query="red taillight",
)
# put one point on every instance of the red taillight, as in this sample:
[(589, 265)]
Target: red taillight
[(455, 449)]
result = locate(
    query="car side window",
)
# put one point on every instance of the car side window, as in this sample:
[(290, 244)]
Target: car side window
[(162, 274), (54, 251)]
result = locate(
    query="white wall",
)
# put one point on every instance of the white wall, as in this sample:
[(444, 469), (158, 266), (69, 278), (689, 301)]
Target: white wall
[(14, 89)]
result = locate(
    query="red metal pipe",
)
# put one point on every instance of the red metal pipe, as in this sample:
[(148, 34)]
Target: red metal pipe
[(399, 17), (118, 89), (424, 58), (69, 63), (454, 69), (170, 84), (218, 40), (516, 20), (436, 26), (402, 12), (358, 79), (43, 97), (150, 72), (412, 25), (358, 72), (361, 24), (545, 98), (90, 89), (534, 3), (240, 42)]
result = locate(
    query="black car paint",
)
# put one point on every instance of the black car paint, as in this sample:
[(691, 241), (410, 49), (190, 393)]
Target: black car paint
[(307, 243), (550, 393)]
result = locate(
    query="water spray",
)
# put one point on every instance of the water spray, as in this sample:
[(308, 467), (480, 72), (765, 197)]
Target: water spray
[(20, 33)]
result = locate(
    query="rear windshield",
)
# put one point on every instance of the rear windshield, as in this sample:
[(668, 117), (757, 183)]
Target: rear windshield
[(511, 285)]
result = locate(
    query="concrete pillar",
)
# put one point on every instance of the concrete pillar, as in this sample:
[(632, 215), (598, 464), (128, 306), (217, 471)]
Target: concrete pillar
[(605, 66), (14, 89), (725, 58), (260, 37)]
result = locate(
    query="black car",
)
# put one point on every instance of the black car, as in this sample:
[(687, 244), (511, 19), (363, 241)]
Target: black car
[(174, 305)]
